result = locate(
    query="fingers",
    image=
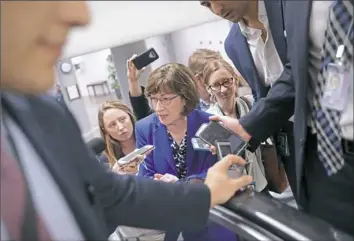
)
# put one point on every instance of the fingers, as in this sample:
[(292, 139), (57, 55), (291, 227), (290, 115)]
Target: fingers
[(133, 57), (216, 118), (225, 163), (158, 176), (130, 64), (212, 150), (139, 158), (241, 182)]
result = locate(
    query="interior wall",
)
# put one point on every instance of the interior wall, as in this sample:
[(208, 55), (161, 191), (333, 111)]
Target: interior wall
[(77, 107), (120, 56), (94, 69), (164, 47), (173, 47), (209, 35)]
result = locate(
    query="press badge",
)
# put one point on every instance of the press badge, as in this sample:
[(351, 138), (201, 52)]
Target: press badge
[(335, 95)]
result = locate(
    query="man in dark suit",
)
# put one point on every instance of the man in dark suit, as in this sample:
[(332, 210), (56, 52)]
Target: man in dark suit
[(319, 86), (52, 188), (257, 47)]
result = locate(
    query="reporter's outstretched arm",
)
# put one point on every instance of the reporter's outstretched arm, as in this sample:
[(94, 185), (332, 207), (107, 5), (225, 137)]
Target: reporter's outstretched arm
[(137, 98), (270, 113), (137, 201), (140, 105), (140, 202)]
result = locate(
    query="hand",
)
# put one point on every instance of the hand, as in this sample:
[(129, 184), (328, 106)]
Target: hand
[(234, 125), (132, 72), (129, 168), (221, 187), (166, 178)]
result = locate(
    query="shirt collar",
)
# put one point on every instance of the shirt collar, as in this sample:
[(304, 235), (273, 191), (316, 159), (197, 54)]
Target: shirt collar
[(203, 105), (262, 15)]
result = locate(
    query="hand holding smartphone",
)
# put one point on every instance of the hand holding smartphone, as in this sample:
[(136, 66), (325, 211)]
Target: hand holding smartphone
[(134, 154), (213, 133), (145, 58)]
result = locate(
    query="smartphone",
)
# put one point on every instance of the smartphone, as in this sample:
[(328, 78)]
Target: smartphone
[(283, 144), (131, 156), (223, 149), (237, 145), (215, 132), (199, 145), (145, 58), (212, 132)]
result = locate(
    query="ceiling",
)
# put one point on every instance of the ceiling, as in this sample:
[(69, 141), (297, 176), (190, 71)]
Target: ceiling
[(116, 23)]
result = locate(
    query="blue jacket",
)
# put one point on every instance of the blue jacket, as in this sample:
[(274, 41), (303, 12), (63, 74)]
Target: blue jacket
[(150, 131)]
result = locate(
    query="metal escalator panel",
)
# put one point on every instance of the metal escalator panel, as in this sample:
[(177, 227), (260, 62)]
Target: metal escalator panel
[(276, 218), (244, 228)]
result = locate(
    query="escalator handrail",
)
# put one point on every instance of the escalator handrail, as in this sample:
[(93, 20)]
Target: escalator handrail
[(285, 222), (242, 227)]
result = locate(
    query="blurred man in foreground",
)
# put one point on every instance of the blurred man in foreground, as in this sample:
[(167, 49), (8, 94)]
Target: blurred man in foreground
[(52, 188)]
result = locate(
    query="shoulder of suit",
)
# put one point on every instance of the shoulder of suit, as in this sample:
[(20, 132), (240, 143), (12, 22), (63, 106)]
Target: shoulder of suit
[(148, 120), (202, 115), (46, 101), (233, 31)]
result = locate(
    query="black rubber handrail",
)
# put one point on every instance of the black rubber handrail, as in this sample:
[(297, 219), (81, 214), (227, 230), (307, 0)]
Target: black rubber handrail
[(281, 220)]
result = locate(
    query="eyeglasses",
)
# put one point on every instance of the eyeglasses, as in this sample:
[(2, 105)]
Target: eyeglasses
[(163, 100), (225, 82)]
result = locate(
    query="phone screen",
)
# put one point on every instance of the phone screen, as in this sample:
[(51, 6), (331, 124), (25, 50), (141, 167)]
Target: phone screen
[(237, 144), (214, 132), (223, 149)]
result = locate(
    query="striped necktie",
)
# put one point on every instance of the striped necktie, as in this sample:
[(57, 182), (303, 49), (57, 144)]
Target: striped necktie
[(325, 121)]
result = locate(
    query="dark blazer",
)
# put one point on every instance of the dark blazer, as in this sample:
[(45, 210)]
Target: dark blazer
[(140, 105), (288, 95), (150, 131), (237, 49), (101, 200)]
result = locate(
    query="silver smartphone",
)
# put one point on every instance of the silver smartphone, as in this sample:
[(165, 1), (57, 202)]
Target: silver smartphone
[(199, 145), (131, 156), (223, 149)]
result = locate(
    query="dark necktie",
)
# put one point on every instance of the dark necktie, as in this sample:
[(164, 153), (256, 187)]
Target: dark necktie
[(17, 209), (326, 121)]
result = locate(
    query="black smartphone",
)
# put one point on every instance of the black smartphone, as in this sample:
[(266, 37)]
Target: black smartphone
[(212, 132), (223, 149), (283, 144), (215, 132), (145, 58), (237, 145)]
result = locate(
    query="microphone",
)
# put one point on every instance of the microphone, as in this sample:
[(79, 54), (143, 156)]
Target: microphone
[(97, 145)]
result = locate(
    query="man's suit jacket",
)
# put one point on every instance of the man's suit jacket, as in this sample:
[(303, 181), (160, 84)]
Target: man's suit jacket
[(289, 94), (236, 47), (150, 131), (101, 200)]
